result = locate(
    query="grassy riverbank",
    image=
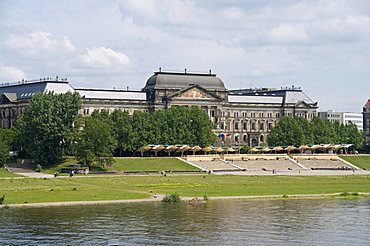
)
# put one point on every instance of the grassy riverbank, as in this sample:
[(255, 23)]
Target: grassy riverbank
[(30, 190), (361, 161), (150, 164), (5, 174)]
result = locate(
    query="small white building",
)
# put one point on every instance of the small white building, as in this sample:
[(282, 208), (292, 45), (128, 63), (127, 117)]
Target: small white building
[(343, 117)]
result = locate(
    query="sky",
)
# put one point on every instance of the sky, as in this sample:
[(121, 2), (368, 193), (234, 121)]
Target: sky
[(321, 46)]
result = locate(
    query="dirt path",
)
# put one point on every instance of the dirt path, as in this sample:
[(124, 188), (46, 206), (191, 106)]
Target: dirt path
[(190, 200), (27, 172)]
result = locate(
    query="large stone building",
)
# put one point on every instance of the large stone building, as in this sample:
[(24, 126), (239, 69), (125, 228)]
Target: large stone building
[(243, 116), (366, 120)]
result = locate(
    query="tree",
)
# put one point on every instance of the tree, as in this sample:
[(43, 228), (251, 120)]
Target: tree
[(201, 127), (4, 153), (354, 136), (49, 125), (96, 143), (291, 131), (299, 131), (323, 131), (122, 129)]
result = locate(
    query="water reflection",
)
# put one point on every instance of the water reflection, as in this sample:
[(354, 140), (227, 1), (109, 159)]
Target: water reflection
[(262, 222)]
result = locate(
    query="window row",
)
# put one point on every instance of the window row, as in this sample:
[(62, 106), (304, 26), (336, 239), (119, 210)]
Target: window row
[(244, 114), (253, 126)]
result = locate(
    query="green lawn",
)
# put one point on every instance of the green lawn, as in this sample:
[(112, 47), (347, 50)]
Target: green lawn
[(132, 187), (361, 161), (148, 164), (5, 174)]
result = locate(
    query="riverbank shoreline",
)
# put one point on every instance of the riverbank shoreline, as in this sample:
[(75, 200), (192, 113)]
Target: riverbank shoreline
[(159, 198)]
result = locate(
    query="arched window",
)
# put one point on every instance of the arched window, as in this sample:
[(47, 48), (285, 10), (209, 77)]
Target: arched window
[(254, 142)]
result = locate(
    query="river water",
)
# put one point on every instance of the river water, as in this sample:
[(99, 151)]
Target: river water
[(224, 222)]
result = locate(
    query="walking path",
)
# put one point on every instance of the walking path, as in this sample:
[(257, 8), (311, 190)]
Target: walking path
[(158, 198), (300, 173), (28, 172)]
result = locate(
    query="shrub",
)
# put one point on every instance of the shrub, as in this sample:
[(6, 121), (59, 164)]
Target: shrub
[(205, 197), (173, 197), (38, 168)]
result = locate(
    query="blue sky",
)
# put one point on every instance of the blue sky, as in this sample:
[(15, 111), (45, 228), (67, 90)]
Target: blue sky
[(321, 46)]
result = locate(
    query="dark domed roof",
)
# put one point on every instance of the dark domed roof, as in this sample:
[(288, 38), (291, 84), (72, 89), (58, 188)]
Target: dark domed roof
[(169, 80)]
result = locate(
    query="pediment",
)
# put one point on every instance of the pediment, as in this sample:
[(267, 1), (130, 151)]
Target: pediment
[(194, 92), (7, 98), (302, 104)]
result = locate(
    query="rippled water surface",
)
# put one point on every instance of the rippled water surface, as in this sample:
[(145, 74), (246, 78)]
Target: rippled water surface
[(227, 222)]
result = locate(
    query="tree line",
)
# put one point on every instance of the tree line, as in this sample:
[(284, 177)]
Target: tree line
[(51, 127), (299, 131)]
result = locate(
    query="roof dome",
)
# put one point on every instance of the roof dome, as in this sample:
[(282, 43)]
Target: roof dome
[(169, 80)]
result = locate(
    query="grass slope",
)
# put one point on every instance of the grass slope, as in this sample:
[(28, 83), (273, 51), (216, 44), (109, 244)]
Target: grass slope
[(361, 161), (146, 164), (5, 174), (133, 187), (56, 168)]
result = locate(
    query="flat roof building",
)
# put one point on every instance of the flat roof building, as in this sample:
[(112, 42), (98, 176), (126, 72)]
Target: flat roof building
[(343, 117)]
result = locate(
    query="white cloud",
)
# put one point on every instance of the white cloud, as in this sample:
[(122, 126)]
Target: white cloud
[(272, 43), (11, 74), (287, 34), (39, 44), (165, 12), (101, 57), (233, 13)]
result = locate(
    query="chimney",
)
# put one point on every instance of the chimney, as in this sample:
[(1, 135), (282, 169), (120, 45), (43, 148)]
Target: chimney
[(160, 69), (185, 70)]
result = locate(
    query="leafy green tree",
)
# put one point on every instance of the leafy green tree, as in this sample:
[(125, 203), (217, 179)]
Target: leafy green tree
[(354, 136), (96, 143), (299, 131), (49, 125), (201, 127), (123, 131), (323, 131), (4, 153), (291, 131)]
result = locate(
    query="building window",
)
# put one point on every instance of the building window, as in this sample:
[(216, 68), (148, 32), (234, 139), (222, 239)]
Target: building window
[(244, 125), (212, 113), (269, 126), (253, 115), (262, 126), (260, 115), (269, 115), (222, 125), (277, 115), (253, 126), (236, 125), (222, 113), (86, 111), (236, 114), (244, 114)]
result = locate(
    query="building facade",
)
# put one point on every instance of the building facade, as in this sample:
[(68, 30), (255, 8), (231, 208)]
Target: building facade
[(343, 117), (243, 116), (366, 120)]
